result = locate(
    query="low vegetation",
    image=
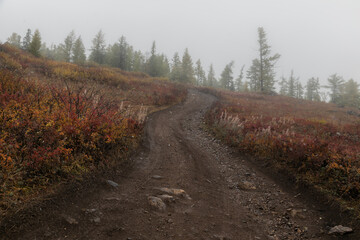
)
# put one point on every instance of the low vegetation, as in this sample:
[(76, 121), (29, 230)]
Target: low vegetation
[(60, 121), (318, 143)]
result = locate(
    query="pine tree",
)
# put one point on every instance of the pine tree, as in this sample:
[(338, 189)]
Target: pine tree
[(175, 74), (153, 64), (253, 76), (129, 61), (226, 78), (292, 85), (211, 79), (284, 86), (187, 69), (335, 84), (138, 62), (200, 74), (68, 46), (239, 79), (262, 74), (122, 57), (27, 40), (98, 49), (35, 44), (313, 89), (164, 66), (78, 52), (350, 95), (299, 90)]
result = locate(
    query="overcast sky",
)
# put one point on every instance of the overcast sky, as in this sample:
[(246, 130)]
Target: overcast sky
[(314, 37)]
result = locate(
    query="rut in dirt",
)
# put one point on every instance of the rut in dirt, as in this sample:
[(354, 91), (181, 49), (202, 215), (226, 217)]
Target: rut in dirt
[(206, 192)]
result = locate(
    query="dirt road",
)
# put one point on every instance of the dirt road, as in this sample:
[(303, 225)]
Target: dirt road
[(223, 196)]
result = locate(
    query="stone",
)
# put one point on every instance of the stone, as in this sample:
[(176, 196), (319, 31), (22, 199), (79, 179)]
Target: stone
[(167, 198), (157, 177), (87, 211), (175, 191), (156, 203), (245, 185), (96, 220), (112, 183), (341, 230), (70, 220), (113, 199)]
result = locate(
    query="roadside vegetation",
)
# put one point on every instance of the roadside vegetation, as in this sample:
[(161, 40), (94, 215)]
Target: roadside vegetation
[(60, 121), (316, 143)]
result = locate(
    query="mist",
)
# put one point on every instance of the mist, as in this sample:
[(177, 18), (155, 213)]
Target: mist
[(314, 38)]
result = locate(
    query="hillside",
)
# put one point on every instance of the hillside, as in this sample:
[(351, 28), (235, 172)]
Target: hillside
[(315, 143), (61, 121)]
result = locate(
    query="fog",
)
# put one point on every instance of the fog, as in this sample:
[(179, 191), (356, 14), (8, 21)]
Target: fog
[(315, 38)]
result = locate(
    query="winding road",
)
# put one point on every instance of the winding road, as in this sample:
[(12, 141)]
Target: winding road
[(207, 192)]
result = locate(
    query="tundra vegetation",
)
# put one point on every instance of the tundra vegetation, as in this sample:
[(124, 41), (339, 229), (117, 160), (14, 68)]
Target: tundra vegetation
[(60, 121), (64, 114), (316, 143)]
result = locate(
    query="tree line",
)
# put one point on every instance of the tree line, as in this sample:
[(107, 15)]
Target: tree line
[(259, 77)]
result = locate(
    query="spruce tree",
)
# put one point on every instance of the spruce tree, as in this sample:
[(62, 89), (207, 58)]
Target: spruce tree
[(284, 86), (26, 40), (350, 95), (226, 78), (335, 84), (35, 44), (239, 80), (262, 72), (187, 69), (292, 85), (200, 74), (98, 48), (175, 74), (313, 89), (211, 79), (299, 90), (68, 46), (78, 52)]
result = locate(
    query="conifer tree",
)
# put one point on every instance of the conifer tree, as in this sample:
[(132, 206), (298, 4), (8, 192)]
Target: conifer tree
[(262, 73), (35, 44), (98, 48), (299, 90), (350, 95), (239, 79), (335, 85), (313, 89), (211, 79), (292, 85), (226, 79), (176, 72), (68, 46), (138, 62), (284, 86), (78, 52), (187, 69), (27, 40), (200, 74)]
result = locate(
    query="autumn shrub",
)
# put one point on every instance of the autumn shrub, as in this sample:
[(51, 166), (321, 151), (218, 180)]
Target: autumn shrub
[(60, 121), (317, 142)]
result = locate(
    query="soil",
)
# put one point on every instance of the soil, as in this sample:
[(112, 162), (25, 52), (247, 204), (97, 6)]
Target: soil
[(208, 192)]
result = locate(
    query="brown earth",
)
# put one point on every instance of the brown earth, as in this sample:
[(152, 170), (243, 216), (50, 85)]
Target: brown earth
[(224, 196)]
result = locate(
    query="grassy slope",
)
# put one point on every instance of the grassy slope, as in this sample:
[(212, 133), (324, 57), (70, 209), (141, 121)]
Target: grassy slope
[(318, 143), (60, 121)]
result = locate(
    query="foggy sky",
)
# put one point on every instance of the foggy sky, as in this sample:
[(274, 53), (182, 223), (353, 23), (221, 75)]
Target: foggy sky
[(315, 38)]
